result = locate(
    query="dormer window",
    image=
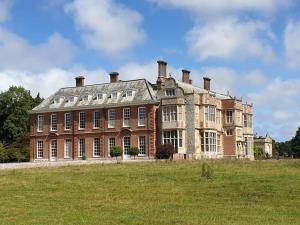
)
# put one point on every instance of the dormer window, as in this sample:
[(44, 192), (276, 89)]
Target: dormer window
[(114, 94), (170, 92), (84, 98), (70, 99), (99, 96), (128, 93), (56, 100)]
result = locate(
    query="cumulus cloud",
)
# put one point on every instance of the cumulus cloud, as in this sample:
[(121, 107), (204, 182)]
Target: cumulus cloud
[(5, 6), (106, 26), (217, 7), (16, 53), (229, 38), (292, 44)]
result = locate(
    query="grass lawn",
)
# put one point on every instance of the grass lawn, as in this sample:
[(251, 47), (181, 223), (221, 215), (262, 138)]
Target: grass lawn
[(254, 193)]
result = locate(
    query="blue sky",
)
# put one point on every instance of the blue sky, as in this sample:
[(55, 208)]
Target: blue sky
[(249, 48)]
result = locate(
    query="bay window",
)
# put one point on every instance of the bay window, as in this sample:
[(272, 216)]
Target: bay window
[(209, 142)]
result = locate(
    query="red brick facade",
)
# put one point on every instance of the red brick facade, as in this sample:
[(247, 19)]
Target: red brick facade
[(89, 133)]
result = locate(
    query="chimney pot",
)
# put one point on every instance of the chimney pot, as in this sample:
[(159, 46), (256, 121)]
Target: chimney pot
[(79, 81), (186, 76), (114, 77), (162, 68), (206, 83), (190, 81)]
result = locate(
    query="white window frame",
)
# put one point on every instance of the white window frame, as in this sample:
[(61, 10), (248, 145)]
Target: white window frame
[(66, 150), (40, 149), (170, 113), (209, 113), (53, 148), (173, 137), (68, 121), (111, 144), (81, 120), (126, 117), (40, 123), (219, 116), (127, 145), (142, 116), (142, 145), (53, 126), (96, 147), (229, 132), (229, 118), (209, 142), (170, 92), (96, 120), (111, 118), (81, 147)]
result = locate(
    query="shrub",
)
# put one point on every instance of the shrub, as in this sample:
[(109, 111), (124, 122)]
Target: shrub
[(83, 157), (116, 151), (15, 155), (206, 171), (133, 151), (165, 151), (258, 152), (3, 154)]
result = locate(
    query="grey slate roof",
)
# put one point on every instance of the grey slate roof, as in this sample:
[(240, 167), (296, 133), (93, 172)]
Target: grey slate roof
[(143, 94)]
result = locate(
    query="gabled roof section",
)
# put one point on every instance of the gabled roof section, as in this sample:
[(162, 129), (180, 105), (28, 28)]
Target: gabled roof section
[(189, 88), (142, 93)]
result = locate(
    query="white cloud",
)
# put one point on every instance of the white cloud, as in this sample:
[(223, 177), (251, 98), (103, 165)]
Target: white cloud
[(292, 44), (16, 53), (106, 26), (5, 6), (217, 7), (230, 38)]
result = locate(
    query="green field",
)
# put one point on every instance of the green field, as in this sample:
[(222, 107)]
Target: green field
[(265, 192)]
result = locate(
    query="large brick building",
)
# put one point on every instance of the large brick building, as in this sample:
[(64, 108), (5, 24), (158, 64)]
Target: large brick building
[(89, 119)]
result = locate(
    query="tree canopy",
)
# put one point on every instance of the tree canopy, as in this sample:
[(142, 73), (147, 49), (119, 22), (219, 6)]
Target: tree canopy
[(15, 104)]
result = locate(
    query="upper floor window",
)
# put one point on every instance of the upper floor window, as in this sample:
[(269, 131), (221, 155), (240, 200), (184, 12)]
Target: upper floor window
[(210, 113), (247, 120), (126, 117), (170, 113), (239, 117), (111, 118), (40, 123), (53, 122), (82, 120), (170, 92), (141, 116), (99, 96), (229, 132), (97, 119), (229, 116), (128, 93), (67, 121), (114, 94), (56, 100), (84, 98)]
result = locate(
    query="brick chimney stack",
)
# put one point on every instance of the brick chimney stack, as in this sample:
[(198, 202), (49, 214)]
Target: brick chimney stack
[(186, 76), (206, 83), (114, 77), (162, 68), (79, 81)]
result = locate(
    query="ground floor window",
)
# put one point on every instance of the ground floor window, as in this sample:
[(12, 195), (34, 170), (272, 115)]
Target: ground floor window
[(208, 141), (142, 145), (68, 148), (173, 137), (53, 148), (219, 143), (40, 149), (111, 143), (81, 151), (126, 144), (97, 147)]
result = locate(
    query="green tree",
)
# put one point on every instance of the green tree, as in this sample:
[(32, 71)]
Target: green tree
[(295, 144), (116, 151), (15, 104), (133, 151)]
